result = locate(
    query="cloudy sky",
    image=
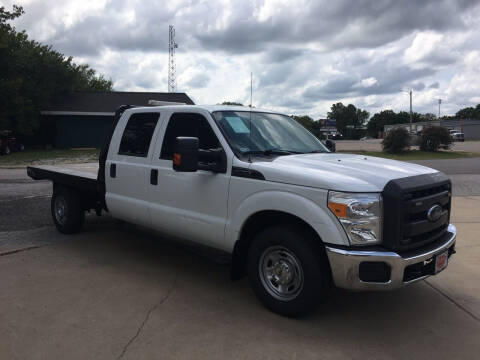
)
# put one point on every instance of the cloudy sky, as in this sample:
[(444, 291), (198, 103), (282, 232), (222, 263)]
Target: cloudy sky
[(304, 55)]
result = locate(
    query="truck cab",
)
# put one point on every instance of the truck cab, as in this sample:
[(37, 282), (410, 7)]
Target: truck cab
[(292, 215)]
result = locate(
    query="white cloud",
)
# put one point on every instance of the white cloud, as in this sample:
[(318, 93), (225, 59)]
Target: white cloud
[(304, 55), (366, 83)]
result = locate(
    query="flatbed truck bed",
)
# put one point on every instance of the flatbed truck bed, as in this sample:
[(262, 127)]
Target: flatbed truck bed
[(82, 178)]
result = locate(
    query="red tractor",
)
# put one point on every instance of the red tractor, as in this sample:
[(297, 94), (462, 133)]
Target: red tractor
[(9, 143)]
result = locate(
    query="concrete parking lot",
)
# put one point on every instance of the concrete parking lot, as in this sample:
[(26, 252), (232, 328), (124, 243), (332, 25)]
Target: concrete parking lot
[(119, 291)]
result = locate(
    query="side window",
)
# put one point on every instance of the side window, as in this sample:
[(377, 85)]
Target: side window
[(188, 124), (138, 133)]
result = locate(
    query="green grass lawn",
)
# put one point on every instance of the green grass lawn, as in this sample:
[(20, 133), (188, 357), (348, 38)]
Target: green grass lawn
[(29, 157), (417, 154)]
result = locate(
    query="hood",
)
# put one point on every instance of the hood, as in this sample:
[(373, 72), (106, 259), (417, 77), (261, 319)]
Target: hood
[(341, 172)]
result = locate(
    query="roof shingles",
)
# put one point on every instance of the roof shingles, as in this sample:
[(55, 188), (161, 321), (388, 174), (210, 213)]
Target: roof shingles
[(103, 101)]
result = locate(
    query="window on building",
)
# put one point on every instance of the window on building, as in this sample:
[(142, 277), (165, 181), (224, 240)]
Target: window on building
[(138, 134), (191, 125)]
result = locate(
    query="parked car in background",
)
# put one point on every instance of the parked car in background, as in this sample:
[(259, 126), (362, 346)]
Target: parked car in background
[(330, 144), (457, 135), (9, 143)]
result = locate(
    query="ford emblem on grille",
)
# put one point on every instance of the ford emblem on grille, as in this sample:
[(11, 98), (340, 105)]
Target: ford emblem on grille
[(434, 213)]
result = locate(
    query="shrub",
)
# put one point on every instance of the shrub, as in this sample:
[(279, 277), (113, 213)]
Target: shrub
[(434, 137), (396, 141)]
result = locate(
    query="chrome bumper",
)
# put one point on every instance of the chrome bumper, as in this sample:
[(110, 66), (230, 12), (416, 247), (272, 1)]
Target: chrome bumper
[(345, 264)]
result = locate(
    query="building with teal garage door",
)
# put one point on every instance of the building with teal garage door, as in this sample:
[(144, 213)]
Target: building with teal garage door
[(84, 119)]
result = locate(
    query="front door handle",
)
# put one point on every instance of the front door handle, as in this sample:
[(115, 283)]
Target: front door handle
[(113, 170), (154, 177)]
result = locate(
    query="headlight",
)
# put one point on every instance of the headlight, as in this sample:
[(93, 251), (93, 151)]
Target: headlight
[(359, 214)]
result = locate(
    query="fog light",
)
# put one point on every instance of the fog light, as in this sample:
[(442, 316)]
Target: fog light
[(378, 272)]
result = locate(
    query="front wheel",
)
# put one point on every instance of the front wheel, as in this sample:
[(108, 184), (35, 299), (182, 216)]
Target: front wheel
[(288, 270), (67, 212)]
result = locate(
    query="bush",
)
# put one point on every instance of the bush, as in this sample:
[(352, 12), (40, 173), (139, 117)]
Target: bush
[(434, 137), (396, 141)]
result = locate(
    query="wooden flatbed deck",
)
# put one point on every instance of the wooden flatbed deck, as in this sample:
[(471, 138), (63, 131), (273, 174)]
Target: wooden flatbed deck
[(80, 176)]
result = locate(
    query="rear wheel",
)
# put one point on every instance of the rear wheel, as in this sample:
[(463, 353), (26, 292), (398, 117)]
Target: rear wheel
[(288, 270), (67, 212)]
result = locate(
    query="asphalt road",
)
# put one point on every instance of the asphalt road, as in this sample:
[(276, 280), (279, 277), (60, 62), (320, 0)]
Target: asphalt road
[(464, 173), (119, 291), (376, 145)]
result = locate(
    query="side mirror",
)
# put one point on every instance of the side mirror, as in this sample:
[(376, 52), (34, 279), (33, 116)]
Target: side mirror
[(212, 160), (330, 144), (185, 154)]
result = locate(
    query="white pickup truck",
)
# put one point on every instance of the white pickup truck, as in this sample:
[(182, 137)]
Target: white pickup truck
[(294, 217)]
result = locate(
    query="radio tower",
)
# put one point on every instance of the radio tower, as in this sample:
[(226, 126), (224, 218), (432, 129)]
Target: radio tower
[(172, 45)]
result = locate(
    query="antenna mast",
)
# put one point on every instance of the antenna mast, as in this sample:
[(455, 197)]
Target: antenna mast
[(251, 88), (172, 45)]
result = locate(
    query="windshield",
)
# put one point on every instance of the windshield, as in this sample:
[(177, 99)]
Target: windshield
[(270, 133)]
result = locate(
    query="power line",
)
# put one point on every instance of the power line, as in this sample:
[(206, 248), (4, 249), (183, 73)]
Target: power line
[(172, 45)]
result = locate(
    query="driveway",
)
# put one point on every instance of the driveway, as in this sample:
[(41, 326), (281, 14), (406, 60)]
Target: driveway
[(119, 291)]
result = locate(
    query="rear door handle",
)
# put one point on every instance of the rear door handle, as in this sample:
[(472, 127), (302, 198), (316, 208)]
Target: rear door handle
[(113, 170), (154, 177)]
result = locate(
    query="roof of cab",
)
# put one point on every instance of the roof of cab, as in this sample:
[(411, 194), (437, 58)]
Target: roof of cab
[(210, 108)]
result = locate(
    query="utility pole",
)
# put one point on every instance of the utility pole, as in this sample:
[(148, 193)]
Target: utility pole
[(172, 45), (439, 119), (411, 116)]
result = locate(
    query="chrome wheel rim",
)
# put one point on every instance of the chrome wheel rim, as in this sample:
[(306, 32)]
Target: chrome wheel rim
[(60, 210), (281, 273)]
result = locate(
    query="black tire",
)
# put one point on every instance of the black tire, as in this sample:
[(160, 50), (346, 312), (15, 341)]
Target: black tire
[(307, 252), (69, 220)]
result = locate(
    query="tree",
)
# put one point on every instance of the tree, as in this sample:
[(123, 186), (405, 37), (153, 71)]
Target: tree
[(428, 117), (396, 141), (33, 75), (305, 120), (347, 116), (433, 137), (390, 117), (469, 113), (379, 120)]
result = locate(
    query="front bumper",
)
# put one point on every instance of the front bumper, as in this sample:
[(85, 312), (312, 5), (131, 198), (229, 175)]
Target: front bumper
[(402, 269)]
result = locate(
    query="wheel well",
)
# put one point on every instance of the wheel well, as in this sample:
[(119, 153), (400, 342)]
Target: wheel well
[(88, 199), (256, 223)]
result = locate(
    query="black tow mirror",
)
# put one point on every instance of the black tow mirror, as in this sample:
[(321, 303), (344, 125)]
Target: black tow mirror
[(330, 144), (212, 160), (185, 154)]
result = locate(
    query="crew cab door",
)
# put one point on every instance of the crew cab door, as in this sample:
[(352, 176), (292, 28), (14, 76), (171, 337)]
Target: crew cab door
[(192, 205), (127, 169)]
